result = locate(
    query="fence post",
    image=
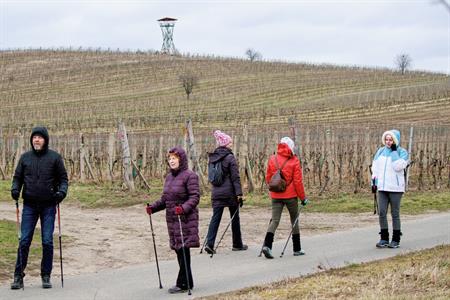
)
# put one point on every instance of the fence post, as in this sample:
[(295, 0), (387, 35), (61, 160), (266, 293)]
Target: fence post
[(3, 154), (110, 173), (19, 152), (246, 160), (192, 152), (411, 132), (127, 169)]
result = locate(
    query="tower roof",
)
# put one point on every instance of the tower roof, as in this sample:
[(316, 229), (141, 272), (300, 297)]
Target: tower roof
[(167, 19)]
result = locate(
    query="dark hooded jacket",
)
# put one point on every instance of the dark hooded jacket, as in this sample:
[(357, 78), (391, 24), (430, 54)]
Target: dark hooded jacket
[(181, 188), (40, 174), (226, 194)]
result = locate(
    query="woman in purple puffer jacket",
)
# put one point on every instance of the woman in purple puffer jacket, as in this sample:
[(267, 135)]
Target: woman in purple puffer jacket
[(181, 195)]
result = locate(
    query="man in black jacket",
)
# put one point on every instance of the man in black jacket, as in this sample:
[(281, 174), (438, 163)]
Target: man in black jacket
[(42, 177)]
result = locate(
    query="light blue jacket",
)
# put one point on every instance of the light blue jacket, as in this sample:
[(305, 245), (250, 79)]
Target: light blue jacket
[(388, 166)]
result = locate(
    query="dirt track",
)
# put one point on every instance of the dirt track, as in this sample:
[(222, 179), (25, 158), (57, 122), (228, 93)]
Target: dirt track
[(115, 237)]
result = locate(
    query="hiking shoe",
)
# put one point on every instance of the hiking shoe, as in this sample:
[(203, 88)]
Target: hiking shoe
[(394, 244), (17, 283), (298, 253), (267, 252), (176, 290), (242, 248), (209, 250), (46, 284), (382, 244)]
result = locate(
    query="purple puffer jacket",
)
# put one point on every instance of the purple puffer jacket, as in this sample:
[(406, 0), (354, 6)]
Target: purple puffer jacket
[(181, 188), (226, 194)]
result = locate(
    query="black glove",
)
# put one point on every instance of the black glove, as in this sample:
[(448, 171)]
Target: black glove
[(58, 197), (394, 147), (374, 189), (15, 194), (304, 201), (374, 186), (241, 201)]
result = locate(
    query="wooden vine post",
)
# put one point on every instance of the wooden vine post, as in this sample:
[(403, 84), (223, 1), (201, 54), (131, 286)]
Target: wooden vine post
[(246, 160), (192, 153), (126, 158)]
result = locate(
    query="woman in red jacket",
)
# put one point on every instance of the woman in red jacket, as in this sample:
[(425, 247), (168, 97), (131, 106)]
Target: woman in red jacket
[(291, 171)]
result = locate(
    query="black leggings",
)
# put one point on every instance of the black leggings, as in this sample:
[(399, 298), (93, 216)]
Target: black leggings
[(181, 280)]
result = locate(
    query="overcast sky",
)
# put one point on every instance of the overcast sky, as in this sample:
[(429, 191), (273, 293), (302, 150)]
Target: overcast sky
[(363, 33)]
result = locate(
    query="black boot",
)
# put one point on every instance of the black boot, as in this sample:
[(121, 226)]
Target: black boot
[(46, 284), (267, 248), (17, 283), (395, 243), (296, 244), (384, 240)]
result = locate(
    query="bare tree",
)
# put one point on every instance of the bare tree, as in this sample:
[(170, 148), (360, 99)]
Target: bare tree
[(403, 62), (188, 81), (253, 54)]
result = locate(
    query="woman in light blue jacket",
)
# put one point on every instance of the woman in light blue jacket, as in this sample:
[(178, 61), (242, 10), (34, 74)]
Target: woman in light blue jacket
[(388, 179)]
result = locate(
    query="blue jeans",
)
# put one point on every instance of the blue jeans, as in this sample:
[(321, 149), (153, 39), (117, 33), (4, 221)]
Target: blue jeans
[(215, 222), (30, 216)]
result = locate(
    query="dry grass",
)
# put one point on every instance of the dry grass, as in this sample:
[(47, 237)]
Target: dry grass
[(420, 275)]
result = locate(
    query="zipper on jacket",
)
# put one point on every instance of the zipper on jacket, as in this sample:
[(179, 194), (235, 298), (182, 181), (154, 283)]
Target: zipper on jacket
[(398, 183), (384, 173), (39, 168)]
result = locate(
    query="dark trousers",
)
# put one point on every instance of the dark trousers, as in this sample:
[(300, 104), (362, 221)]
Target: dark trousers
[(30, 216), (181, 279), (215, 222), (384, 199)]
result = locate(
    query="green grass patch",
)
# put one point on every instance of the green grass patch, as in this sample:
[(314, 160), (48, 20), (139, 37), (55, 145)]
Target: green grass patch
[(96, 196), (419, 275), (5, 190), (412, 202), (92, 195), (8, 250), (115, 195)]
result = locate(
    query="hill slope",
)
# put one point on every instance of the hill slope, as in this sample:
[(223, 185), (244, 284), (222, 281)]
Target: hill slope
[(91, 91)]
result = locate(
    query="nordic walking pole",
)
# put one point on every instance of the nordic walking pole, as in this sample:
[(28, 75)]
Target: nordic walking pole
[(225, 231), (19, 236), (184, 256), (260, 252), (154, 247), (375, 202), (292, 230), (60, 246), (204, 241)]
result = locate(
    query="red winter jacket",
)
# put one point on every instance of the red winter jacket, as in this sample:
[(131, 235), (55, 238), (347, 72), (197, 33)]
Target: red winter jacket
[(292, 173)]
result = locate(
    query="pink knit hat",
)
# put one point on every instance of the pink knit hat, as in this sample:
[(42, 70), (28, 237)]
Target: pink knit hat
[(222, 139)]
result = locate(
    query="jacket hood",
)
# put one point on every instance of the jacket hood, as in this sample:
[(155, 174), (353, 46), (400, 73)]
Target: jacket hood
[(218, 154), (42, 131), (395, 136), (183, 159), (284, 150)]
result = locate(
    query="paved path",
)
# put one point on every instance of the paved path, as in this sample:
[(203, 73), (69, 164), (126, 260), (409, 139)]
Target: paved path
[(229, 270)]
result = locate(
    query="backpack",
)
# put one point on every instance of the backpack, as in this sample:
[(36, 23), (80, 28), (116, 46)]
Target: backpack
[(216, 174), (277, 182)]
